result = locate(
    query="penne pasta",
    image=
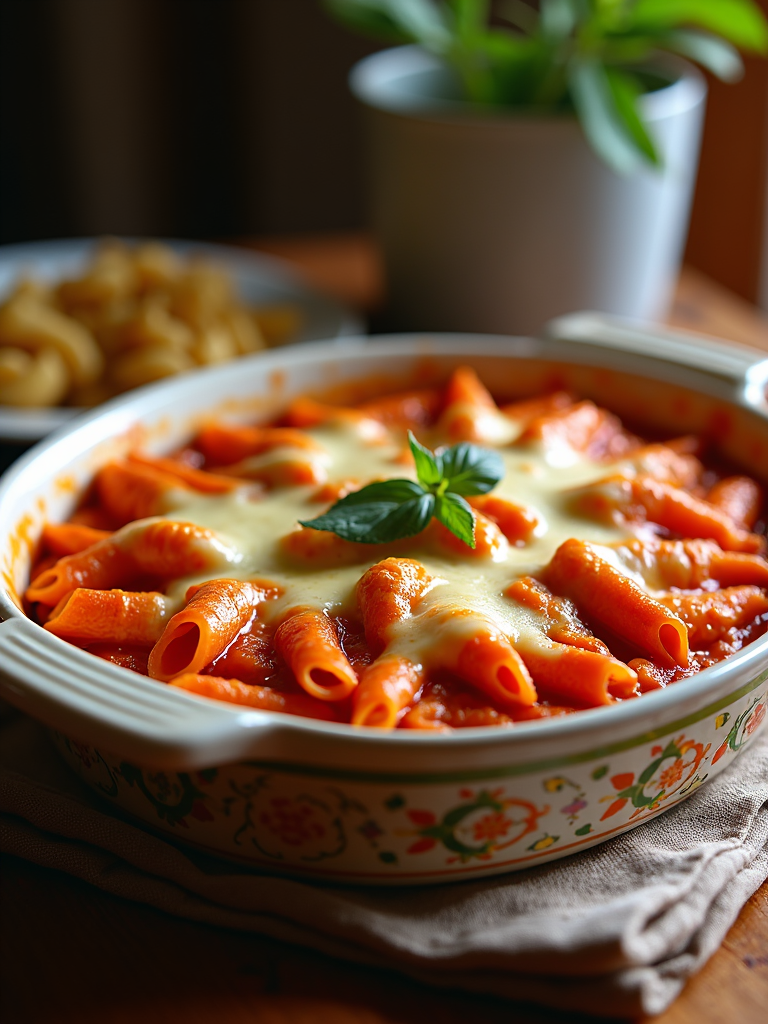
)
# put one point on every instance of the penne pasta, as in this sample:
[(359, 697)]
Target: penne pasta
[(710, 616), (470, 413), (386, 687), (577, 676), (310, 645), (162, 549), (689, 564), (127, 491), (582, 427), (215, 614), (198, 479), (224, 445), (233, 691), (61, 539), (603, 566), (740, 498), (490, 541), (518, 523), (609, 597), (387, 594), (643, 498), (85, 616)]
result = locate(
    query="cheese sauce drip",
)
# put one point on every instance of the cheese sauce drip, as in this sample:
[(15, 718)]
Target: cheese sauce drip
[(534, 477)]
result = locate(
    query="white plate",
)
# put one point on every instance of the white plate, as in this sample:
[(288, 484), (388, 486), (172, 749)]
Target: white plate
[(260, 280)]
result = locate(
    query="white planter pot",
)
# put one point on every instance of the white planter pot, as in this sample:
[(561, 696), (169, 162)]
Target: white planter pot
[(493, 221)]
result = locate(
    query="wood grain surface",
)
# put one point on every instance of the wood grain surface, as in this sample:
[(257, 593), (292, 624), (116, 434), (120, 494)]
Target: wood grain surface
[(70, 954)]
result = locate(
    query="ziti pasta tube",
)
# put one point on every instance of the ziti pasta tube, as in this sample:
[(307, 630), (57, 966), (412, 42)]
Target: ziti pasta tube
[(604, 594), (309, 642), (216, 612)]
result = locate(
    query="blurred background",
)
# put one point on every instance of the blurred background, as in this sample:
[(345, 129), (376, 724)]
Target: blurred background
[(226, 119)]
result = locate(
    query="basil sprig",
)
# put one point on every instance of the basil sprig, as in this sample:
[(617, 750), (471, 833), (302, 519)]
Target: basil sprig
[(389, 510)]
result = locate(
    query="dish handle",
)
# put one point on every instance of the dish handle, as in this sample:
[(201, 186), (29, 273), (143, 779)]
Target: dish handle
[(117, 710), (738, 365)]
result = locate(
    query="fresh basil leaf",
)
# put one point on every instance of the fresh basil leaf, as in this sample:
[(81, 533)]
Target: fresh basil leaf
[(396, 491), (429, 466), (471, 470), (714, 54), (456, 515), (388, 510), (380, 512), (405, 521)]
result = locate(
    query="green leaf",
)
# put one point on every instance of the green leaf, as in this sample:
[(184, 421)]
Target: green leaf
[(368, 20), (406, 520), (413, 21), (456, 515), (378, 513), (740, 22), (469, 469), (389, 510), (429, 466), (522, 15), (715, 54), (625, 90), (600, 119), (558, 18), (471, 16)]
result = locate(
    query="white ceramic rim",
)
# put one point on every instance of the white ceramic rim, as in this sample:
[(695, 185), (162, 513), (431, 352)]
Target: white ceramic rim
[(49, 259), (156, 397), (371, 81)]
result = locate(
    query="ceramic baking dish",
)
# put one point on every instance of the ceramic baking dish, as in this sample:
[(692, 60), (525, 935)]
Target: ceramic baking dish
[(352, 804)]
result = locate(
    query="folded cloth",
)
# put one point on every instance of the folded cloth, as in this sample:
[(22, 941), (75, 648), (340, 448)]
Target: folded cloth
[(612, 931)]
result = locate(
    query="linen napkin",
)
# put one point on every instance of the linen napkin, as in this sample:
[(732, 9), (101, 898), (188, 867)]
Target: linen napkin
[(612, 931)]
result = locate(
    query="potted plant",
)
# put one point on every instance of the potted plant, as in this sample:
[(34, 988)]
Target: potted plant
[(527, 160)]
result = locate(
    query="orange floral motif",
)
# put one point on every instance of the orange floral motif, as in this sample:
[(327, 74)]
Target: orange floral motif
[(475, 828), (671, 768), (755, 719), (492, 826), (671, 775)]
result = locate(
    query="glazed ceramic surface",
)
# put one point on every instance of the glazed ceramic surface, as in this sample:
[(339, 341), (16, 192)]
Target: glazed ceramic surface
[(498, 220), (360, 805), (395, 826)]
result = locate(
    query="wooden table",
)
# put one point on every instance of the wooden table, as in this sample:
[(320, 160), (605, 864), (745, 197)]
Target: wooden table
[(70, 953)]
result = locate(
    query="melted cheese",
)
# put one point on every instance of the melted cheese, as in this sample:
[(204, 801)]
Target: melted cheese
[(534, 477)]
